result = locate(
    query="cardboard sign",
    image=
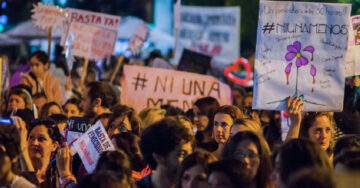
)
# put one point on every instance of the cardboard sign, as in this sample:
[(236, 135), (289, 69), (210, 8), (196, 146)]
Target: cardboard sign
[(300, 51), (91, 144), (91, 42), (46, 16), (75, 127), (138, 39), (100, 20), (194, 62), (213, 31), (144, 87), (285, 125), (352, 66)]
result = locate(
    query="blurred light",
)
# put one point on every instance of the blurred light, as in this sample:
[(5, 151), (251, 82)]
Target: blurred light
[(3, 19), (1, 28), (3, 5), (62, 2)]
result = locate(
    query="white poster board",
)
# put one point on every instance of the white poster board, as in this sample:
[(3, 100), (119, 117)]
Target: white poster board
[(300, 51), (46, 16), (144, 87), (213, 31), (91, 144), (285, 125)]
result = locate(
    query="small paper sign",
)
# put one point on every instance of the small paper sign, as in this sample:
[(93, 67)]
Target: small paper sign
[(46, 16)]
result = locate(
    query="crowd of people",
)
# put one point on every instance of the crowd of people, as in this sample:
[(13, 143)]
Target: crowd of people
[(163, 147)]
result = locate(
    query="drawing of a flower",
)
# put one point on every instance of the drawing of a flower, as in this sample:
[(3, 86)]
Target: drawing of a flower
[(294, 51)]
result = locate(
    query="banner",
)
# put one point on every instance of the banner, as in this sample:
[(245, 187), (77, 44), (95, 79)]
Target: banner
[(46, 16), (300, 51), (144, 87), (91, 144), (213, 31), (91, 42), (75, 127)]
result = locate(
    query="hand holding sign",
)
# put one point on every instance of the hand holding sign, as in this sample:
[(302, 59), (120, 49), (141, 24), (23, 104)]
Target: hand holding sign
[(63, 161)]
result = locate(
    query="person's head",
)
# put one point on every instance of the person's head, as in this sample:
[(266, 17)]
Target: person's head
[(39, 63), (172, 110), (247, 100), (319, 128), (312, 177), (346, 143), (223, 120), (348, 160), (253, 151), (43, 139), (193, 170), (39, 100), (306, 154), (186, 122), (116, 162), (50, 108), (71, 108), (241, 125), (9, 150), (165, 144), (124, 119), (97, 98), (103, 179), (60, 120), (150, 116), (19, 98), (204, 110), (129, 143), (90, 76), (228, 173), (238, 94)]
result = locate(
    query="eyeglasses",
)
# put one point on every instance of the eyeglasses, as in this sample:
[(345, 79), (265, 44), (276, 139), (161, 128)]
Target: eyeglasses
[(121, 127), (249, 155)]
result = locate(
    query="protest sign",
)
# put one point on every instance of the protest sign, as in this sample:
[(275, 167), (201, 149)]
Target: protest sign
[(150, 87), (104, 21), (213, 31), (194, 62), (75, 127), (91, 42), (48, 16), (300, 51), (285, 125), (91, 144), (352, 58), (138, 39)]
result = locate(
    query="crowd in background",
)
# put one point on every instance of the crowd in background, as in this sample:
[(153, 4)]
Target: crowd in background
[(207, 146)]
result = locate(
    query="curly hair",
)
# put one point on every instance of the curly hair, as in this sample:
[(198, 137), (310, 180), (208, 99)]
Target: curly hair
[(10, 138), (125, 111), (41, 56)]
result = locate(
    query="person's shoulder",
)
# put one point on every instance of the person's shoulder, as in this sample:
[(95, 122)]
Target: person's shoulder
[(144, 182), (21, 182)]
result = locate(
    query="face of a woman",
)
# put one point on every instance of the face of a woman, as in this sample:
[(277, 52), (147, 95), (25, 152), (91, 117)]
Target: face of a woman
[(37, 67), (54, 110), (222, 125), (71, 110), (120, 124), (320, 131), (201, 121), (40, 144), (247, 152), (15, 101), (194, 177), (219, 180)]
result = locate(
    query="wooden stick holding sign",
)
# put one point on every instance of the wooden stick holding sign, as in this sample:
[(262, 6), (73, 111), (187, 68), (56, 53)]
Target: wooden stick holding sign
[(1, 64), (49, 41), (117, 68), (84, 72)]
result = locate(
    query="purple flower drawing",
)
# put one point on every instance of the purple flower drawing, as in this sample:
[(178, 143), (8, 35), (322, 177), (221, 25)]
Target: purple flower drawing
[(294, 51)]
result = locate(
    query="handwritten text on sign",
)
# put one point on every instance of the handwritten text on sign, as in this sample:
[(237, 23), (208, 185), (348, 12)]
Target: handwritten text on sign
[(210, 30), (46, 16), (300, 51), (148, 87), (91, 144), (92, 42)]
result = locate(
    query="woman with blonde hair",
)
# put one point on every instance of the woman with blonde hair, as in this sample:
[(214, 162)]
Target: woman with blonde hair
[(150, 116)]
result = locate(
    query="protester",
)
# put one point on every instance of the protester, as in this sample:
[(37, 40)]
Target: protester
[(124, 119), (103, 179), (19, 98), (228, 173), (193, 170), (253, 151), (241, 125), (347, 161), (50, 108), (312, 177), (9, 154), (164, 146), (129, 143), (295, 155), (347, 143), (150, 116), (223, 120), (71, 108), (204, 111), (39, 79), (39, 100)]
